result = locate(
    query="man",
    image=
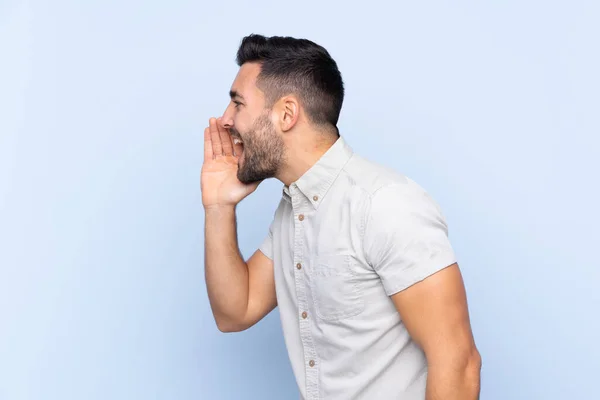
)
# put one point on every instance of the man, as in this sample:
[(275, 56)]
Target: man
[(357, 257)]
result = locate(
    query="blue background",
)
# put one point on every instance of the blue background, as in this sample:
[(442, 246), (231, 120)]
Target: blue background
[(493, 107)]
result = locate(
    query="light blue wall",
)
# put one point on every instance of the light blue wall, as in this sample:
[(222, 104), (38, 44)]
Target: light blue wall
[(491, 106)]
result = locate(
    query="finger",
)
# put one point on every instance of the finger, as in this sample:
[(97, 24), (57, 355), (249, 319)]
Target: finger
[(226, 142), (208, 150), (215, 138)]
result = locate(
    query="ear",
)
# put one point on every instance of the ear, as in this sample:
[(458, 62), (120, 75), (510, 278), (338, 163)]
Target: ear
[(290, 113)]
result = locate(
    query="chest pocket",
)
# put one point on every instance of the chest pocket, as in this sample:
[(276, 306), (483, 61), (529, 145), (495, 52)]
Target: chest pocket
[(334, 288)]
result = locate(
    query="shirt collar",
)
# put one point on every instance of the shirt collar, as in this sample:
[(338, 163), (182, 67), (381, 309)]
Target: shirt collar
[(316, 182)]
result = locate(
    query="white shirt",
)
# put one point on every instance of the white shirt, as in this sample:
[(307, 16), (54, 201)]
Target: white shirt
[(346, 236)]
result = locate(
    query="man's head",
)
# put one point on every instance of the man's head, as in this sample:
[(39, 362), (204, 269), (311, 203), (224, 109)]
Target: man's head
[(283, 85)]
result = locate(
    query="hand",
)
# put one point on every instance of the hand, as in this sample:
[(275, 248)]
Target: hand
[(219, 183)]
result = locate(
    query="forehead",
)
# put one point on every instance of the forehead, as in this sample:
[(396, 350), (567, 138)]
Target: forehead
[(245, 80)]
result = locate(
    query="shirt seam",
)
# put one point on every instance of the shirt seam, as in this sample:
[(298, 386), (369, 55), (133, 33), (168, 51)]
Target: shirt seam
[(367, 217)]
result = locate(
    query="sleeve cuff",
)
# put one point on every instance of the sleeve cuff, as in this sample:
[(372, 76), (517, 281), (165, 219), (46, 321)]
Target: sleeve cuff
[(405, 279), (267, 247)]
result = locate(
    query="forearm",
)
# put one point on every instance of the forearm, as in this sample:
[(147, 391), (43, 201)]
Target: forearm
[(226, 272), (455, 379)]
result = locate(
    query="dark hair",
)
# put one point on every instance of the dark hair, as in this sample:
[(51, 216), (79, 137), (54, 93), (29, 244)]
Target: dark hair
[(298, 66)]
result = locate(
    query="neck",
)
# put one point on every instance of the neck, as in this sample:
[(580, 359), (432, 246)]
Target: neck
[(303, 154)]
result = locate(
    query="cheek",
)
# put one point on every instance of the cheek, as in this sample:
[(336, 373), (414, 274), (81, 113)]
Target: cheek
[(241, 122)]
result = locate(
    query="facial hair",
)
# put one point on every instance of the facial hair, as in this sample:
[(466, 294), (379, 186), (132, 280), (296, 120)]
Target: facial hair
[(263, 151)]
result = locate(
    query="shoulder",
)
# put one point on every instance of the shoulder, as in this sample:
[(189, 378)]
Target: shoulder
[(381, 183), (391, 200)]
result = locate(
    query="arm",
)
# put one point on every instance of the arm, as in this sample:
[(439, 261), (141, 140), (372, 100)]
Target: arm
[(240, 293), (406, 242), (435, 313)]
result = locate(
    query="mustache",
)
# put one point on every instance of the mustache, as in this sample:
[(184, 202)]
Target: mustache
[(234, 132)]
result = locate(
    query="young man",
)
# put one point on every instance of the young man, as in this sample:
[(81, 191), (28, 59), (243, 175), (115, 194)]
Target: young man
[(357, 257)]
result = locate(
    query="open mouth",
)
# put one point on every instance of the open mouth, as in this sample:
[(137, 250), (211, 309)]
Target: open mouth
[(240, 142)]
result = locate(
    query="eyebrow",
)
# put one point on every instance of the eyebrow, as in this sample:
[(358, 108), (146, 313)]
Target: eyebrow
[(233, 94)]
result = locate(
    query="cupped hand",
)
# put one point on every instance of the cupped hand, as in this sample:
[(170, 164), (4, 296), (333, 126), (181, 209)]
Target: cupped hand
[(219, 182)]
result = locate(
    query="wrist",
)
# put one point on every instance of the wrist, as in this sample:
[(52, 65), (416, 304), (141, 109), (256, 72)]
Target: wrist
[(219, 208)]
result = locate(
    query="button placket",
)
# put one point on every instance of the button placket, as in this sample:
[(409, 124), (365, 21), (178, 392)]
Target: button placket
[(299, 204)]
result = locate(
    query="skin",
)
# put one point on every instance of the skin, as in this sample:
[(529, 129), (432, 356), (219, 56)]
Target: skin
[(436, 316), (242, 292)]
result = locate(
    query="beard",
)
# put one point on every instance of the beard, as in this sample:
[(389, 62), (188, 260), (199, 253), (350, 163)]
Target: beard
[(263, 151)]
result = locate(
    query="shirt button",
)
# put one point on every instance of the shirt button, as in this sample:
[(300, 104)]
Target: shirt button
[(311, 363), (304, 315), (315, 198), (301, 217), (299, 266)]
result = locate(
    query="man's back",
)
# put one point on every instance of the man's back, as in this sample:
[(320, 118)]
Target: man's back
[(346, 236)]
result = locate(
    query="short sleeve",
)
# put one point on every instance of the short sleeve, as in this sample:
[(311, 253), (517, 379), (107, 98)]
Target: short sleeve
[(267, 245), (405, 237)]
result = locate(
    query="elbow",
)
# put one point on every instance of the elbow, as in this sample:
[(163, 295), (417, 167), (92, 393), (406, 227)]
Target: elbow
[(458, 370), (476, 362), (227, 326), (472, 370)]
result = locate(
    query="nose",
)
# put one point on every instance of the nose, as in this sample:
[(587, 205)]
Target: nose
[(227, 118)]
